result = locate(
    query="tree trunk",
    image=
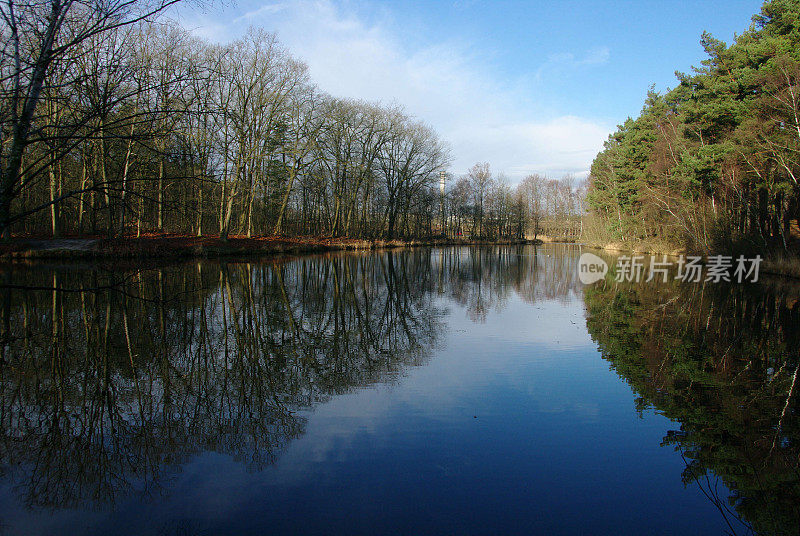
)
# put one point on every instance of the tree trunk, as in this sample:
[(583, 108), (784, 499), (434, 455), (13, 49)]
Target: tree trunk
[(54, 208), (160, 193), (10, 173), (82, 194), (285, 201)]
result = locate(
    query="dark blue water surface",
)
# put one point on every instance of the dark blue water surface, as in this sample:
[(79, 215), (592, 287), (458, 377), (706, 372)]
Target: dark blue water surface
[(425, 391)]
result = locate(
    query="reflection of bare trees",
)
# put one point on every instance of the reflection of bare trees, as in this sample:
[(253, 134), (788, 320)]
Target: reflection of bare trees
[(481, 279), (106, 392), (110, 380), (552, 275)]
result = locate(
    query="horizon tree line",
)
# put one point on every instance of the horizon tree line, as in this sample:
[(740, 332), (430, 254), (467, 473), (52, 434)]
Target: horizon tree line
[(115, 123)]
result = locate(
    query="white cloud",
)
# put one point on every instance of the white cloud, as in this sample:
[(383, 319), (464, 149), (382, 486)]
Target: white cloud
[(560, 145), (597, 56), (594, 56), (267, 9), (446, 84)]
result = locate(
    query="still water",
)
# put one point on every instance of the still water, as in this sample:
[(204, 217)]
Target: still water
[(420, 391)]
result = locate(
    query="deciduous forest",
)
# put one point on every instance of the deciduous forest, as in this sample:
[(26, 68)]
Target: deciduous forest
[(115, 122)]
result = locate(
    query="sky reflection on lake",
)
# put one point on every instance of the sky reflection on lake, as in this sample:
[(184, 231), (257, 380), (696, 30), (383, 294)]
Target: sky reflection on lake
[(419, 391)]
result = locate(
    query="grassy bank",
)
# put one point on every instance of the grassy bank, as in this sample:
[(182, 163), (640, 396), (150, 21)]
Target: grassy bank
[(182, 246)]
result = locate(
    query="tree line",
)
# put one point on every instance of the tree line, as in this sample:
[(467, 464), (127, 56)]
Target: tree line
[(145, 127), (139, 126), (712, 164), (114, 122), (484, 206)]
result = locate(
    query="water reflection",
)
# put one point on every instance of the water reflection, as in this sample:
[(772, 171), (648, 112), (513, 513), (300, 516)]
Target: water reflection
[(106, 392), (721, 361), (481, 280), (111, 380)]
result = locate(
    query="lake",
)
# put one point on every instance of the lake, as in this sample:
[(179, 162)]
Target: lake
[(479, 390)]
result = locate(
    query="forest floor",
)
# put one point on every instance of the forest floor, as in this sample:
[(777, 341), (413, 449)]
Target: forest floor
[(177, 246)]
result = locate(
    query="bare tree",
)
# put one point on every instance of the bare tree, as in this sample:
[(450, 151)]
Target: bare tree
[(480, 178), (39, 34)]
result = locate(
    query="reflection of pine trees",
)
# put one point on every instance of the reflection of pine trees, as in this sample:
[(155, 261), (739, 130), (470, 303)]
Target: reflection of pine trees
[(722, 361)]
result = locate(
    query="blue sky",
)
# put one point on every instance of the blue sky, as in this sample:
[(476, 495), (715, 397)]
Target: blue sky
[(527, 86)]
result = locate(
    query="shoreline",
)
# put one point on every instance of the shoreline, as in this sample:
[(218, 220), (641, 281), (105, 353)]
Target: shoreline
[(181, 246)]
